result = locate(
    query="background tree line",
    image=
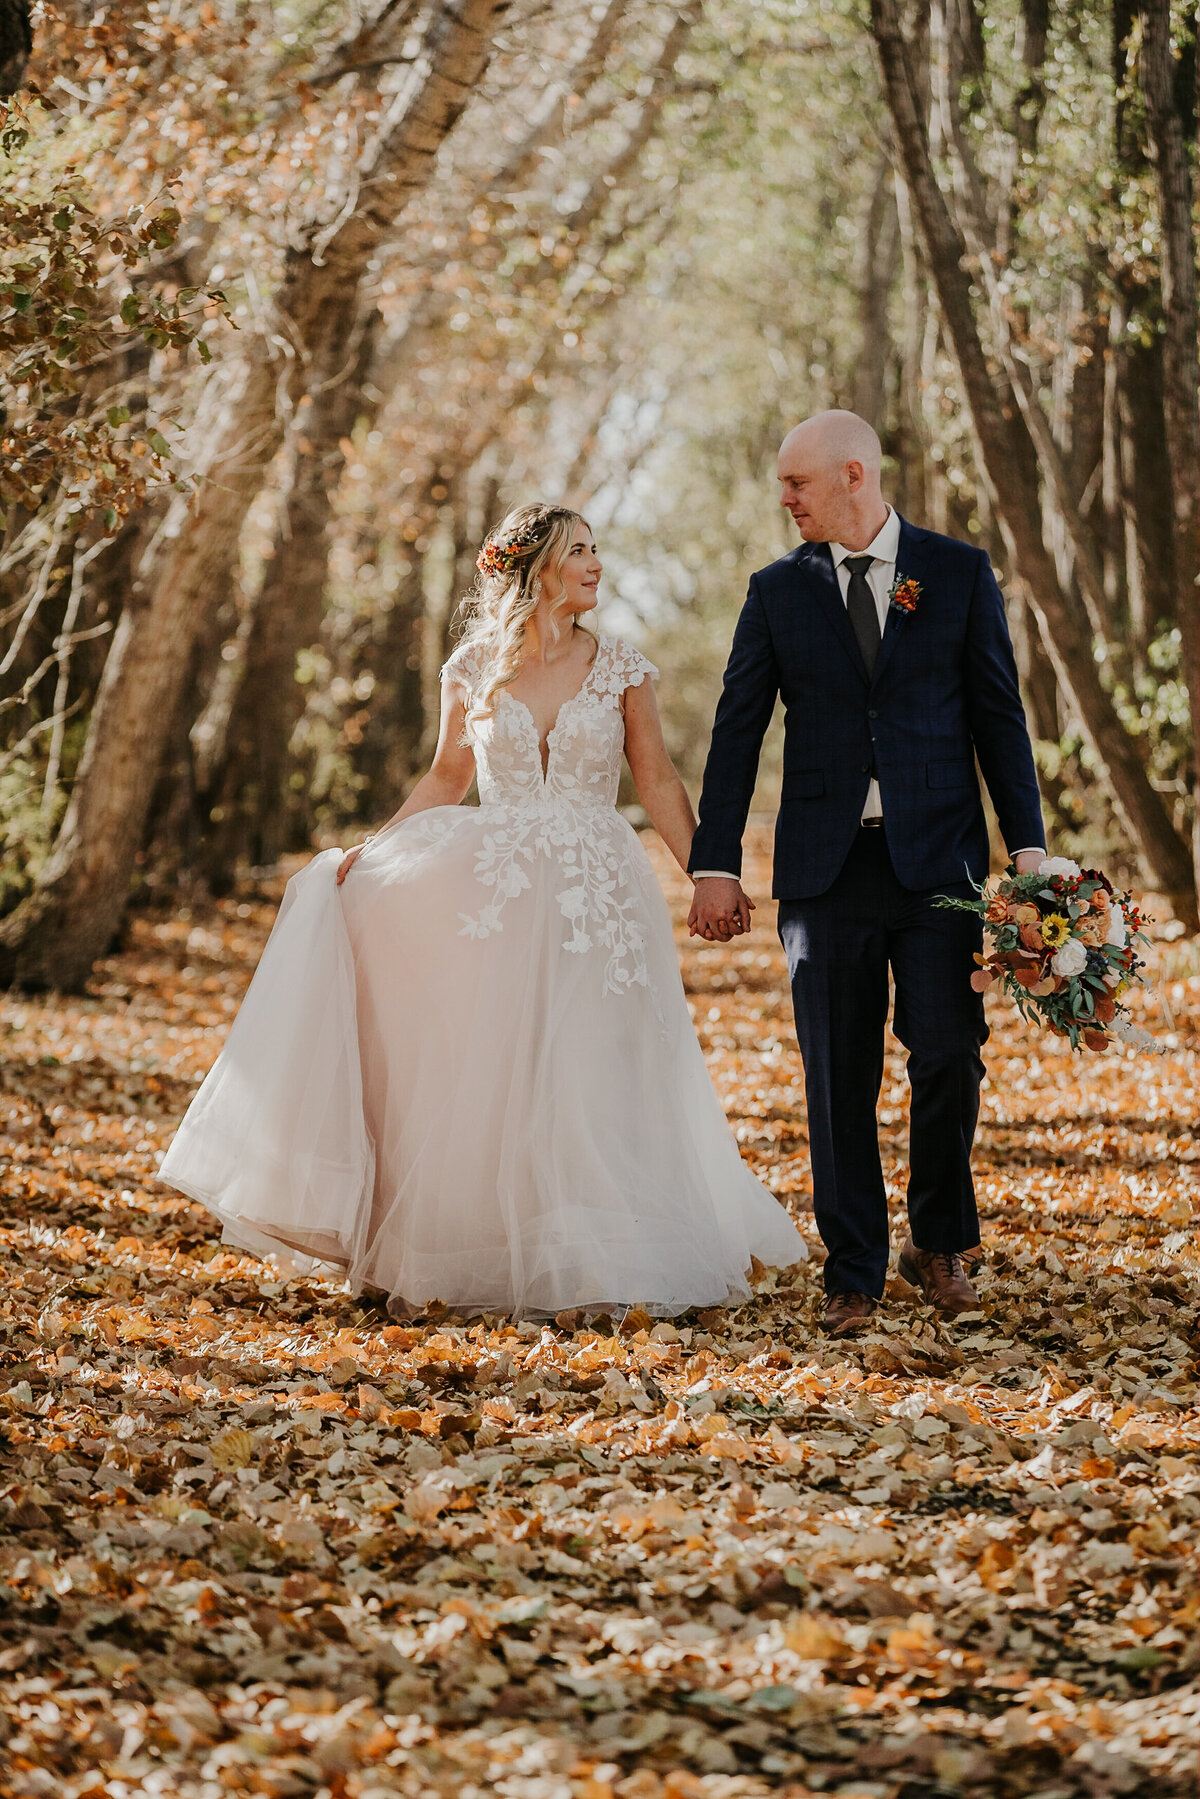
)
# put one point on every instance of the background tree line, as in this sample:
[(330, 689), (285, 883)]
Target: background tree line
[(296, 298)]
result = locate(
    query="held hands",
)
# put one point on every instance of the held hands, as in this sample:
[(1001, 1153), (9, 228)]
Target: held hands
[(1026, 862), (349, 859), (720, 910)]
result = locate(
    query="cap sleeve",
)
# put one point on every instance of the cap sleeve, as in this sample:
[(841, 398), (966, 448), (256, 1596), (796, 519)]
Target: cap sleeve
[(463, 666), (627, 667)]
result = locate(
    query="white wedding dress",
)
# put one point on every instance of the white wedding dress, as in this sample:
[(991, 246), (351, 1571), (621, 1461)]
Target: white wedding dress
[(469, 1073)]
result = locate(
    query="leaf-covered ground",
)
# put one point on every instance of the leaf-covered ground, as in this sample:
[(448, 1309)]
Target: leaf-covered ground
[(259, 1539)]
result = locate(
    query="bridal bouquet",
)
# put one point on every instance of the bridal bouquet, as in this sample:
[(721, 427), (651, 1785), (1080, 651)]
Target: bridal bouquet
[(1063, 945)]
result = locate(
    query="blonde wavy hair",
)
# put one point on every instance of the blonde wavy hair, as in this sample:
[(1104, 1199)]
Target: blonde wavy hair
[(527, 541)]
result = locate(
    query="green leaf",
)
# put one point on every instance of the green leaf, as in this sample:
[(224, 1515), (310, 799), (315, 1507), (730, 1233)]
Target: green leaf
[(714, 1700), (110, 518), (158, 443), (1138, 1661), (205, 352), (130, 309), (62, 220), (21, 299), (521, 1611), (118, 415), (750, 1408), (773, 1699)]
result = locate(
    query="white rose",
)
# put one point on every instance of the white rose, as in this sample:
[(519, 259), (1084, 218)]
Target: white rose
[(1117, 934), (1070, 959), (1058, 865)]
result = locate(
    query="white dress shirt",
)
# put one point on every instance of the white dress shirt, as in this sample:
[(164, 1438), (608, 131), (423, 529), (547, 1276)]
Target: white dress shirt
[(883, 548)]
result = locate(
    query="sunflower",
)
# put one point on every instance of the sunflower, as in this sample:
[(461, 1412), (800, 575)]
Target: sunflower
[(1055, 930)]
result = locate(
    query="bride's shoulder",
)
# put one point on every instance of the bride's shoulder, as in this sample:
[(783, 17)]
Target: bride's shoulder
[(621, 665), (464, 663)]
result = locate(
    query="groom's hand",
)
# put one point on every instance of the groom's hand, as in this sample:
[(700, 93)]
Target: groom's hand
[(720, 910), (1027, 862)]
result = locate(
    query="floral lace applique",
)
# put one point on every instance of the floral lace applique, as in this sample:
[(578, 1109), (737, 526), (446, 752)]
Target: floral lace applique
[(463, 665), (621, 667)]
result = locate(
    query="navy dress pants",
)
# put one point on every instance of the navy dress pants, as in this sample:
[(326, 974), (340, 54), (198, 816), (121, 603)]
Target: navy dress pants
[(839, 946)]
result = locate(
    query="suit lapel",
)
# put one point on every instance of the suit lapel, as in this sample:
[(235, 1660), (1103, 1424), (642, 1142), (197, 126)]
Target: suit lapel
[(912, 560), (817, 567)]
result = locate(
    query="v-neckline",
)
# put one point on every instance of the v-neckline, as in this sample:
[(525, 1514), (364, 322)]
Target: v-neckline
[(544, 763)]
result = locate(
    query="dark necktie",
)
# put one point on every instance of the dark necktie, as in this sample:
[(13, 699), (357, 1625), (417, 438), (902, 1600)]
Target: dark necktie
[(860, 603)]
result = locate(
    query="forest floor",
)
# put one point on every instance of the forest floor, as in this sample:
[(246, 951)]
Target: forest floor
[(259, 1539)]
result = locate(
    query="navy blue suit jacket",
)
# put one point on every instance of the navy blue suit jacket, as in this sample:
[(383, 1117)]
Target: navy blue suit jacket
[(944, 692)]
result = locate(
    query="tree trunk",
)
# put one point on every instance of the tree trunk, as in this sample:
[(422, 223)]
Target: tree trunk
[(911, 447), (1038, 680), (1143, 480), (16, 44), (1009, 458), (55, 935), (971, 232), (1181, 321), (71, 917), (876, 272), (247, 819), (395, 740)]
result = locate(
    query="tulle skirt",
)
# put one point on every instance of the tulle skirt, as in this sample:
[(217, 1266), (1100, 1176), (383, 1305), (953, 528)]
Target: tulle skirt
[(474, 1118)]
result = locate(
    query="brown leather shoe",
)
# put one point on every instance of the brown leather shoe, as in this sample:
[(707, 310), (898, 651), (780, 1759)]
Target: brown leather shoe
[(847, 1313), (940, 1276)]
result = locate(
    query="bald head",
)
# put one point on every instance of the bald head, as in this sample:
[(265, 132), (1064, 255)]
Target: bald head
[(829, 479), (836, 437)]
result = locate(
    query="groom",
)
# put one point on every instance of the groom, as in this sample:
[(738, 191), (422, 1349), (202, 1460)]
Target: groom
[(890, 649)]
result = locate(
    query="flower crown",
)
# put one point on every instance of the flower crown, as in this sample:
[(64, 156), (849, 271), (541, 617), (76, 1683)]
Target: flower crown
[(500, 556)]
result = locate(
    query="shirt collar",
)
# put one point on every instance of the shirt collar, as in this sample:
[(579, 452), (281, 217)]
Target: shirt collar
[(884, 546)]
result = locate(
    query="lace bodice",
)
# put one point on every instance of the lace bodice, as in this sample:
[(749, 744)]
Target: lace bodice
[(585, 745), (566, 815)]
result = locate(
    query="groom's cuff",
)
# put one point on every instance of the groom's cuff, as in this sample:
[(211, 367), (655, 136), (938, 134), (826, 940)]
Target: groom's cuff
[(1031, 849), (713, 874)]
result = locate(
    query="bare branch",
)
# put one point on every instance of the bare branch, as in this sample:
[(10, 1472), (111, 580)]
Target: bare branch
[(31, 736), (63, 645), (40, 589), (354, 56)]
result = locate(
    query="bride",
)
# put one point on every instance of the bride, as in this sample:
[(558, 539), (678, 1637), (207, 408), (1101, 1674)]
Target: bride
[(465, 1068)]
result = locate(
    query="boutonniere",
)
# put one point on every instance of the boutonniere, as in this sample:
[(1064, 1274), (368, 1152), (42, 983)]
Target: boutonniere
[(904, 594)]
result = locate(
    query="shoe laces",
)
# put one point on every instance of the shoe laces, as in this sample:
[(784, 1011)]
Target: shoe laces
[(947, 1263)]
